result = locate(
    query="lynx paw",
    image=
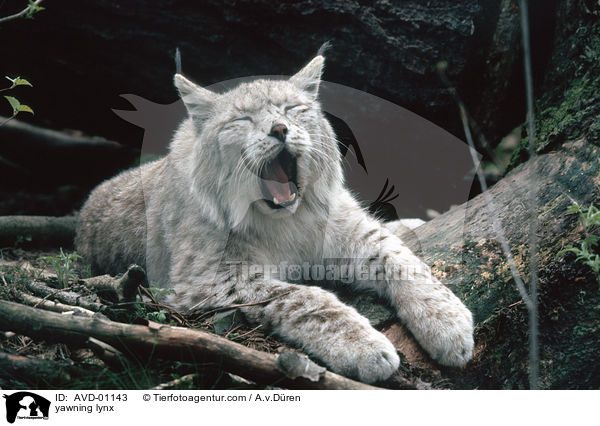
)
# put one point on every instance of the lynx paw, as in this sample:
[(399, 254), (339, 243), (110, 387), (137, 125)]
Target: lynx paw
[(370, 359), (447, 334)]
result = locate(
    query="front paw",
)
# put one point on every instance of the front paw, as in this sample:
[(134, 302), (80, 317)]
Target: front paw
[(446, 333), (369, 358)]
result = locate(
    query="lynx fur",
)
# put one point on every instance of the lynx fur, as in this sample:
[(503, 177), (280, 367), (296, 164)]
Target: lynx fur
[(253, 181)]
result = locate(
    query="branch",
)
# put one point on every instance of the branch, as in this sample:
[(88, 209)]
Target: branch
[(36, 370), (22, 13), (175, 343), (52, 306)]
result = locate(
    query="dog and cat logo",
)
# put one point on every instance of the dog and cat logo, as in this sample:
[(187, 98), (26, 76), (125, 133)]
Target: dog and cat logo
[(26, 405)]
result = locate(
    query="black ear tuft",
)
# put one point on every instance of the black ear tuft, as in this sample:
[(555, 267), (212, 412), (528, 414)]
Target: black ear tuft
[(177, 61), (324, 48)]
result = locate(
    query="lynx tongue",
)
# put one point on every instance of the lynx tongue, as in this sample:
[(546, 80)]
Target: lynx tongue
[(277, 183), (278, 180)]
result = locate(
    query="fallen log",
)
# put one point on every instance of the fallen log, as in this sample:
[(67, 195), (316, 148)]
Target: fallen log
[(38, 231), (60, 157), (175, 343)]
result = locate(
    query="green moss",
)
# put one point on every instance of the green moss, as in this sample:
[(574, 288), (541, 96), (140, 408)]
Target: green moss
[(568, 120), (568, 108)]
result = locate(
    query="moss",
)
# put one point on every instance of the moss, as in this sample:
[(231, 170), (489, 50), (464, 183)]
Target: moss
[(568, 120), (568, 108)]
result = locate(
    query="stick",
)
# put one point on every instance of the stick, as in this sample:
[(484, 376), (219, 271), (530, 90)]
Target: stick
[(175, 343), (109, 355), (188, 378), (67, 297), (52, 306), (21, 13)]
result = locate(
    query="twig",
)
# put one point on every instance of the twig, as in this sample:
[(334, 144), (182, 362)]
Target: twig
[(247, 332), (22, 13), (533, 241), (50, 305), (188, 378), (67, 297), (243, 305), (49, 295), (491, 208), (108, 354), (518, 302), (7, 120)]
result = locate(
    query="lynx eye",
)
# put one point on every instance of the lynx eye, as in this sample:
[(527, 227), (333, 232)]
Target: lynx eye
[(245, 118), (296, 108)]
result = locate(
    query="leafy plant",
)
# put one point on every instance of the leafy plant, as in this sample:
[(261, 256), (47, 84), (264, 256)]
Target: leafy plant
[(150, 312), (15, 104), (64, 266), (33, 7), (587, 252)]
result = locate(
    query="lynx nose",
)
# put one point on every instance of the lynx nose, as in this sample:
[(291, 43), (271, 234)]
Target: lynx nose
[(279, 131)]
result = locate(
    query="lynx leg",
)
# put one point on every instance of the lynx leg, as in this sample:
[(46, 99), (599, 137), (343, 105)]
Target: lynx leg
[(436, 317), (308, 317)]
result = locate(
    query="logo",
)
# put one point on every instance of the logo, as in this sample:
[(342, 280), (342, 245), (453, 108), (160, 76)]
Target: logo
[(26, 405)]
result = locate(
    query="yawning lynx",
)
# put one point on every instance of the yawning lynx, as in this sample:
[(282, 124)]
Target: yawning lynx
[(250, 206)]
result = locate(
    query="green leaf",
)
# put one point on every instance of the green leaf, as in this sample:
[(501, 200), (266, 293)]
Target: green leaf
[(25, 108), (14, 103), (21, 82), (33, 8)]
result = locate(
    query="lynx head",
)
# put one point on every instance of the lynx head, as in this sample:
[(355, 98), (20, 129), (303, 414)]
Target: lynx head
[(263, 147)]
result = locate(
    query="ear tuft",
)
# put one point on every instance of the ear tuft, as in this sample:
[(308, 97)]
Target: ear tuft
[(197, 100), (309, 77)]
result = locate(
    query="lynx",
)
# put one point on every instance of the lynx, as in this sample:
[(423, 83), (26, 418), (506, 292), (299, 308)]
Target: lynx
[(247, 207)]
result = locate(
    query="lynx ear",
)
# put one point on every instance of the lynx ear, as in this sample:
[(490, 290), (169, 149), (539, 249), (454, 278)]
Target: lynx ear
[(197, 100), (309, 77)]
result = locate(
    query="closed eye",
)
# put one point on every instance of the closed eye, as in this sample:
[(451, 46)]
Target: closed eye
[(246, 118), (297, 107)]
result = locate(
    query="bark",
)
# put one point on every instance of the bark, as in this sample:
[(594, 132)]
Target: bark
[(38, 231), (175, 343), (49, 305), (16, 369), (66, 296)]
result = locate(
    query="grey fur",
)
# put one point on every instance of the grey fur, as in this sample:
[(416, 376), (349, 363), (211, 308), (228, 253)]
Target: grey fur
[(192, 215)]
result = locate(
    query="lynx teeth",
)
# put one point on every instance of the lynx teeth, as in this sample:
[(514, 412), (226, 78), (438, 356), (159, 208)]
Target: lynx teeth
[(277, 202)]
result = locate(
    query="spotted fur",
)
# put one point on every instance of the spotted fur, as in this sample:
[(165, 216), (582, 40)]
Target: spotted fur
[(197, 218)]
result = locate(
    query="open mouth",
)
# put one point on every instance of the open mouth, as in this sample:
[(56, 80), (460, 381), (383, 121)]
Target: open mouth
[(278, 180)]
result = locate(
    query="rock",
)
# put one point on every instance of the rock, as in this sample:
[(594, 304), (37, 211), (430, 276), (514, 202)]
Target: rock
[(95, 50)]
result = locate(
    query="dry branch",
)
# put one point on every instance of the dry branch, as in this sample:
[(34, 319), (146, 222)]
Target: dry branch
[(65, 296), (167, 342), (52, 306), (43, 231), (109, 355), (188, 378), (22, 13)]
